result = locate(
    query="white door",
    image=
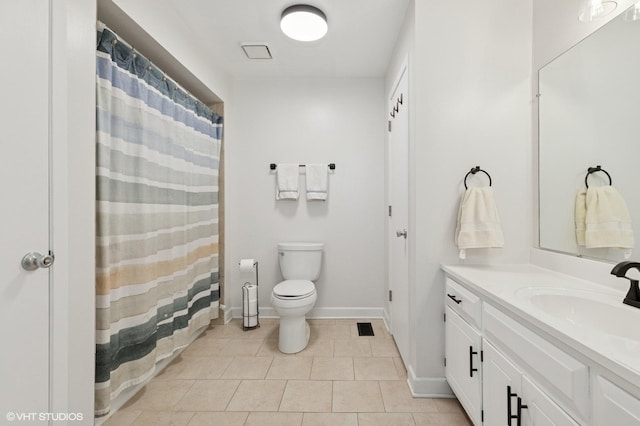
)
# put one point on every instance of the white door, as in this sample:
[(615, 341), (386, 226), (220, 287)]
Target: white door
[(399, 212), (501, 388), (463, 370), (24, 216)]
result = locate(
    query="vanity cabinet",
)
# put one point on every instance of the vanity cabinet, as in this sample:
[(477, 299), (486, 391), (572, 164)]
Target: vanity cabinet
[(562, 376), (511, 398), (463, 348), (536, 369), (504, 373)]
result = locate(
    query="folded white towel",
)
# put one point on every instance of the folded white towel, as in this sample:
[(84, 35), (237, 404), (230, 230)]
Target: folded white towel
[(607, 219), (287, 182), (317, 182), (478, 221)]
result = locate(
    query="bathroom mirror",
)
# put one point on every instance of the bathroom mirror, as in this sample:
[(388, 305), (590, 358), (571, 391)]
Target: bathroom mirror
[(589, 115)]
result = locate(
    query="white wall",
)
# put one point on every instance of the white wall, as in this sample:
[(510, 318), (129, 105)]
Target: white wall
[(179, 52), (308, 120), (471, 105)]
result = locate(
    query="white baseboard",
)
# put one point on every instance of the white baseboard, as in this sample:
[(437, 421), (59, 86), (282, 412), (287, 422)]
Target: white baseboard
[(228, 315), (428, 387), (387, 320), (317, 313)]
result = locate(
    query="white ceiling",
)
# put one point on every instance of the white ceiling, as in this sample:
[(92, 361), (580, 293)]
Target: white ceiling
[(359, 43)]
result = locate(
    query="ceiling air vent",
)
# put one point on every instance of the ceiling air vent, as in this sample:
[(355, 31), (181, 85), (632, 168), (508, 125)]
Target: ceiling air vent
[(256, 50)]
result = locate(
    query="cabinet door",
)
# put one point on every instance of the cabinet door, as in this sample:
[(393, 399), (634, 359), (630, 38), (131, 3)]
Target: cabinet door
[(614, 406), (463, 370), (541, 410), (501, 387)]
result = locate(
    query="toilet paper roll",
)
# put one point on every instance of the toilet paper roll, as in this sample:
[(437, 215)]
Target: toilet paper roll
[(252, 297), (250, 305), (251, 321), (246, 265)]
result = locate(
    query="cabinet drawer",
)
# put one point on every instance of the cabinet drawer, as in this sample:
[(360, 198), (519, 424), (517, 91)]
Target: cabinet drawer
[(465, 303), (613, 406), (566, 378)]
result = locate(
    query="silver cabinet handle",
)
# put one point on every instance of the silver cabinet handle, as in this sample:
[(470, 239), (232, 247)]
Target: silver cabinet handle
[(34, 260), (402, 233)]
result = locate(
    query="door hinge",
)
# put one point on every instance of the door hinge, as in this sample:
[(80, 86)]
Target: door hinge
[(445, 317), (390, 295), (482, 415), (481, 356), (390, 211), (445, 362), (389, 125)]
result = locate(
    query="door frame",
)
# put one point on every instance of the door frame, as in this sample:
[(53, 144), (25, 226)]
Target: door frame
[(72, 159)]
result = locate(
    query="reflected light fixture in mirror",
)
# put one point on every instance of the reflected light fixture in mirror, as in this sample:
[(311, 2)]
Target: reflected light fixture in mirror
[(304, 23), (594, 9), (633, 14)]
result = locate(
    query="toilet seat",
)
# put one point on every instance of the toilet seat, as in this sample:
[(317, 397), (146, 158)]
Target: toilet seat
[(294, 289)]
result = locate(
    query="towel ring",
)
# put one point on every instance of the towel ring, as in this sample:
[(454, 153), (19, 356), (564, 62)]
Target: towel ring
[(593, 170), (473, 171)]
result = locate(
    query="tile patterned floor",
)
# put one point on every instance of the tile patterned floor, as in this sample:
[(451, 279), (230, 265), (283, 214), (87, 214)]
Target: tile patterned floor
[(232, 377)]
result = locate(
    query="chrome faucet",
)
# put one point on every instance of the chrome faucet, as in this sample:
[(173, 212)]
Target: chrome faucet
[(620, 270)]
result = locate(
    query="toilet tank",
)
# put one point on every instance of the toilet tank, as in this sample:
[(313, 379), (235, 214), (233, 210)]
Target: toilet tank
[(300, 261)]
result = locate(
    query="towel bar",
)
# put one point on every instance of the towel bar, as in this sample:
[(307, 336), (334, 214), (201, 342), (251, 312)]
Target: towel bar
[(273, 166)]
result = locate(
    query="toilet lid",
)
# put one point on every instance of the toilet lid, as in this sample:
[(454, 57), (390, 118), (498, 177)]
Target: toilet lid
[(294, 288)]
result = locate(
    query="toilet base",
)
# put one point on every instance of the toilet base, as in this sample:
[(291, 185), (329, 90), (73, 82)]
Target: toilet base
[(294, 334)]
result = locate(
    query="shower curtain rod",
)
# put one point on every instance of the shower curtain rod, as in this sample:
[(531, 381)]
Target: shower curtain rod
[(102, 26)]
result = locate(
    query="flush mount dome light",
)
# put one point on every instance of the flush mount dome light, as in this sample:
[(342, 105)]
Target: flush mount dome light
[(304, 23)]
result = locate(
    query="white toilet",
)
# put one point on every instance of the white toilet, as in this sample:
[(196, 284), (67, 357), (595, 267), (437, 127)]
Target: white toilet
[(295, 296)]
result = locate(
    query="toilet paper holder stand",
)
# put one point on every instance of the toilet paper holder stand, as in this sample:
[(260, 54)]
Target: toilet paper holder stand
[(247, 316)]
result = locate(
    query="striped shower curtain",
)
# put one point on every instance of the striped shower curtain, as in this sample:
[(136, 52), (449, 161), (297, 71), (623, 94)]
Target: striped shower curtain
[(157, 218)]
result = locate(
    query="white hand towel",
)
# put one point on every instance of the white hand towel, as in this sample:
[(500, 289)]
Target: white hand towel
[(581, 215), (287, 182), (478, 221), (317, 181), (607, 221)]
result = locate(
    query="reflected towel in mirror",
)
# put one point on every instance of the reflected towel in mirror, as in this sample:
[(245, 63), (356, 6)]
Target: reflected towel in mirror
[(602, 219)]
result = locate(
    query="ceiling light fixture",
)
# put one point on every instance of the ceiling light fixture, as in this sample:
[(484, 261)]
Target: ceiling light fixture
[(304, 23), (594, 9)]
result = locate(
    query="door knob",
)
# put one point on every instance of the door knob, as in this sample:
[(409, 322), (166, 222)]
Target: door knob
[(34, 260), (402, 233)]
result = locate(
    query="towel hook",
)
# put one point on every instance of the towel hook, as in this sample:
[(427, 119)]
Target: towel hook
[(593, 170), (473, 171)]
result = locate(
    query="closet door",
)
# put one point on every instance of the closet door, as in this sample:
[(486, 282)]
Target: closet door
[(398, 214), (24, 216)]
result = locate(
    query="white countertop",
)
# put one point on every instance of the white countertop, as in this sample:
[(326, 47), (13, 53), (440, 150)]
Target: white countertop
[(500, 284)]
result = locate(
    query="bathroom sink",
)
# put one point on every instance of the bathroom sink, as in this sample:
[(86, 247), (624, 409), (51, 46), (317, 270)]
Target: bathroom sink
[(587, 310)]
